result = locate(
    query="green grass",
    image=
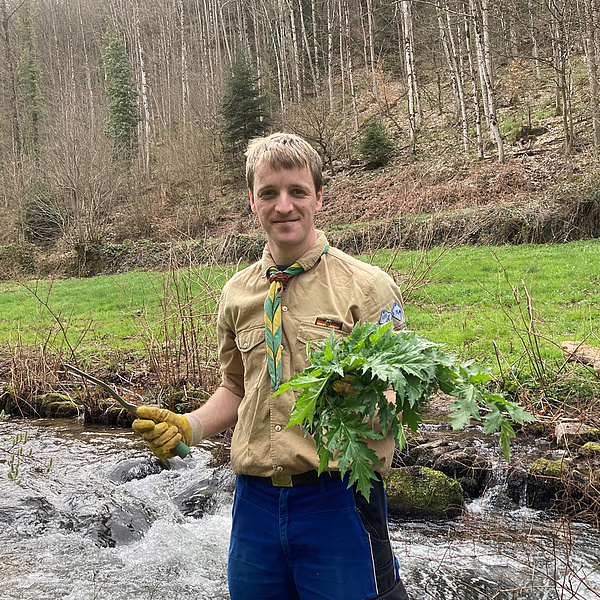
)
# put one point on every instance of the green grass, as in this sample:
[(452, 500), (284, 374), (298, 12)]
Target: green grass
[(466, 301), (102, 313), (477, 296)]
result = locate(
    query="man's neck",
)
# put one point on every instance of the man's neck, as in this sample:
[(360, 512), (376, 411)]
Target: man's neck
[(289, 255)]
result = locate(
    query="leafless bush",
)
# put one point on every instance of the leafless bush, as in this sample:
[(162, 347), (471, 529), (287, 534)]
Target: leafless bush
[(180, 340), (85, 186)]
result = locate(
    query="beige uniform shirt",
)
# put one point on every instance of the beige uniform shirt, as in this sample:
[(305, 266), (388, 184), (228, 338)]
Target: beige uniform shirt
[(335, 290)]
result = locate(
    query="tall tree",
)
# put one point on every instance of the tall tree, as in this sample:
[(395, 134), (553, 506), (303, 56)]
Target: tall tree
[(592, 53), (124, 114), (30, 82), (243, 108), (7, 14)]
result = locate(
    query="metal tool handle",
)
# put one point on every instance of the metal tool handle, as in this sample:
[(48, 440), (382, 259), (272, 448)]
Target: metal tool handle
[(181, 450)]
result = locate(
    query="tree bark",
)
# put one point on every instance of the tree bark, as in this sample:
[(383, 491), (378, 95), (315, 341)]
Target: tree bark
[(591, 43), (17, 139)]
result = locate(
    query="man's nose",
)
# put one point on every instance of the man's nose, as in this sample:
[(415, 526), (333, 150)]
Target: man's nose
[(284, 202)]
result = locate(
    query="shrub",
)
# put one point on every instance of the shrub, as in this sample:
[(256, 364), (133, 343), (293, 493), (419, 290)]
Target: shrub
[(375, 146)]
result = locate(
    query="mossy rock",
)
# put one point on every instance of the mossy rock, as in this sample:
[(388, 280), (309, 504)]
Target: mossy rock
[(57, 405), (108, 412), (423, 492), (548, 468), (591, 450), (548, 482), (470, 469)]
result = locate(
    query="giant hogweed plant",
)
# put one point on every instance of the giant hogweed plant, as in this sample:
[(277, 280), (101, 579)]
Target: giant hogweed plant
[(342, 399)]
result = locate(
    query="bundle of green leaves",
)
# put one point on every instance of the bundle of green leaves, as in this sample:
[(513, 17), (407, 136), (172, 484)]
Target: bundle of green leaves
[(342, 398)]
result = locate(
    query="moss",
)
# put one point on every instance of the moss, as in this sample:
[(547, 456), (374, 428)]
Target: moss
[(54, 397), (592, 435), (421, 491), (591, 449), (547, 468), (57, 405)]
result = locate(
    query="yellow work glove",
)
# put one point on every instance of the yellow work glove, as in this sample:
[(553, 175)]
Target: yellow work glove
[(163, 429), (344, 386)]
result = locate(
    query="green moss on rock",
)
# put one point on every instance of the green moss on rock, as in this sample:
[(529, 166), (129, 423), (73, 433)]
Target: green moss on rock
[(421, 491), (57, 405), (591, 449), (543, 467)]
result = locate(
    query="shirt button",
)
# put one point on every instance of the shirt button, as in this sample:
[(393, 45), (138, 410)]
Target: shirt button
[(245, 344), (277, 427), (284, 308), (282, 347), (279, 469)]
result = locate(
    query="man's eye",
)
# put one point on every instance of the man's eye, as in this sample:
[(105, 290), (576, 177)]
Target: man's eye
[(299, 192)]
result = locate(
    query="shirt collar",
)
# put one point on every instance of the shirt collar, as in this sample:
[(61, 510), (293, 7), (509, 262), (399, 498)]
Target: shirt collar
[(307, 261)]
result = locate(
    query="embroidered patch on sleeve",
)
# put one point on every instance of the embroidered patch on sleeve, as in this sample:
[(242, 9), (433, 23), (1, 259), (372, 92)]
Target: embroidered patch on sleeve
[(324, 322), (386, 317)]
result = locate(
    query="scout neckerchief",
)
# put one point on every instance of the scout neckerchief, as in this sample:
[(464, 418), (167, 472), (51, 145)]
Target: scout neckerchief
[(273, 332)]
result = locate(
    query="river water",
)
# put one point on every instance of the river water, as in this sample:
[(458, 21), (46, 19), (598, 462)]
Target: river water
[(106, 522)]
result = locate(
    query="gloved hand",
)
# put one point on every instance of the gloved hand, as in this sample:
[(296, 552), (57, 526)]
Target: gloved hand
[(344, 386), (162, 430)]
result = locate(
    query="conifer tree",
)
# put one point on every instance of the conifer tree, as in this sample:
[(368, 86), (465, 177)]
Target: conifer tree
[(122, 92), (374, 145), (243, 108), (31, 99)]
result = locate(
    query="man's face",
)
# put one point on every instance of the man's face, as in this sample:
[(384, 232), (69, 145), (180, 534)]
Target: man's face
[(285, 202)]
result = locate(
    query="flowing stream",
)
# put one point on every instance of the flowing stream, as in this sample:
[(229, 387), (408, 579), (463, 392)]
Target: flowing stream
[(106, 522)]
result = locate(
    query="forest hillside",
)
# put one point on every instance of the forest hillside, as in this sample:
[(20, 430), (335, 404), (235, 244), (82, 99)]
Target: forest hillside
[(125, 121)]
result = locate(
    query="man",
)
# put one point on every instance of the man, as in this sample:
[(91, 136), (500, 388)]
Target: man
[(295, 535)]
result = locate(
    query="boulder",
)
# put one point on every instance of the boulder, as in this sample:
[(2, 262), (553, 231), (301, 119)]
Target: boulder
[(57, 405), (576, 433), (466, 466), (546, 483), (423, 492), (590, 450), (583, 353), (425, 455)]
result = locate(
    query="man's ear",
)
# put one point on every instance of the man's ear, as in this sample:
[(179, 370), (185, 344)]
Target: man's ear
[(252, 203), (319, 202)]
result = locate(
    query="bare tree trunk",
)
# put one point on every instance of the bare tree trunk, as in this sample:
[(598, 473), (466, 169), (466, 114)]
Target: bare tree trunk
[(295, 53), (185, 85), (478, 9), (315, 41), (144, 95), (534, 41), (473, 76), (313, 72), (561, 42), (280, 80), (413, 101), (343, 78), (591, 45), (372, 48), (487, 47), (88, 75), (17, 139), (450, 51), (349, 63), (330, 54)]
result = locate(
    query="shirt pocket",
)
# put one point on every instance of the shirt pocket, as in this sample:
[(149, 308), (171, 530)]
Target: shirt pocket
[(251, 344), (313, 335)]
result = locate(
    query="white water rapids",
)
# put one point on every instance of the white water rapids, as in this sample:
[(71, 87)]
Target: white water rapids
[(106, 523)]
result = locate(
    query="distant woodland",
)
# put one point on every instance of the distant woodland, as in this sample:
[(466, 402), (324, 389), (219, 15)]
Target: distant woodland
[(127, 119)]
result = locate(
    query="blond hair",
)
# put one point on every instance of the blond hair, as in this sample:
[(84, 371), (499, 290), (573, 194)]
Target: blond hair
[(283, 151)]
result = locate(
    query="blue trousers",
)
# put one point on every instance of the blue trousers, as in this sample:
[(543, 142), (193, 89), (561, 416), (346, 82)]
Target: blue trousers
[(318, 541)]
